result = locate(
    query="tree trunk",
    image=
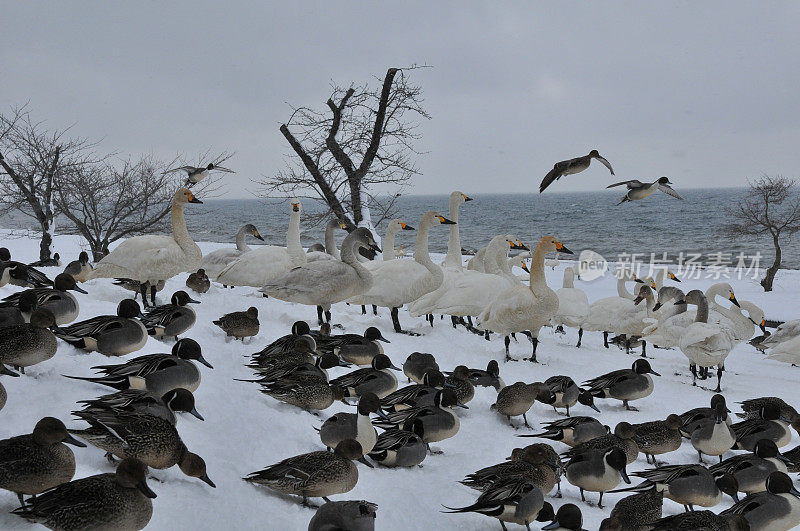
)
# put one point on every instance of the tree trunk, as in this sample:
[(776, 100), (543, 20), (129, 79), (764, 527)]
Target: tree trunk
[(47, 241), (766, 282)]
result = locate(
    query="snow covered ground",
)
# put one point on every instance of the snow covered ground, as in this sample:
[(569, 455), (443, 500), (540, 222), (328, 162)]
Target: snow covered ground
[(246, 430)]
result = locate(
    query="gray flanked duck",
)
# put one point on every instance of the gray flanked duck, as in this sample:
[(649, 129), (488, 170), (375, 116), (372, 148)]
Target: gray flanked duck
[(112, 335), (598, 471), (121, 500), (350, 515), (62, 304), (171, 319), (399, 448), (141, 401), (625, 384), (776, 508), (31, 343)]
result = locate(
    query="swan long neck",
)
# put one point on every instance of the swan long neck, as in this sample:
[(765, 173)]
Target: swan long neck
[(293, 246), (537, 278), (179, 231), (493, 255), (453, 258), (388, 242), (349, 256), (622, 288), (330, 241), (241, 237), (569, 278), (501, 262), (421, 254), (702, 311)]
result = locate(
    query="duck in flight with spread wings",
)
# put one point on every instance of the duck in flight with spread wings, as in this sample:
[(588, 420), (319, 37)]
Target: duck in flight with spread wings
[(639, 190), (568, 167), (194, 175)]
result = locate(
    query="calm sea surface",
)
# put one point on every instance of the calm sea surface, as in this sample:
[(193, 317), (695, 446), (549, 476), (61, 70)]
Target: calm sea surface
[(581, 220)]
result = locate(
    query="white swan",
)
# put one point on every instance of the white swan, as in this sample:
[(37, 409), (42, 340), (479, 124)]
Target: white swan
[(216, 261), (394, 226), (601, 312), (327, 282), (150, 259), (705, 344), (785, 332), (470, 292), (573, 305), (519, 261), (257, 267), (399, 282), (518, 307), (330, 252), (476, 262), (658, 282), (454, 261)]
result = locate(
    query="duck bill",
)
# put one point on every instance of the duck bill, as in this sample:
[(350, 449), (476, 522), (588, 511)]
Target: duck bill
[(202, 360), (735, 497), (144, 489), (448, 385), (8, 372), (637, 300), (651, 371), (459, 404), (552, 525), (80, 290), (382, 415), (394, 367), (794, 492), (192, 301), (624, 474), (196, 414), (363, 461), (383, 339), (207, 480), (595, 408), (343, 363), (69, 439)]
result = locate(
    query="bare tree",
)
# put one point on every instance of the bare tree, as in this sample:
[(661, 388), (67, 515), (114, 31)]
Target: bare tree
[(355, 154), (32, 160), (110, 201), (771, 208)]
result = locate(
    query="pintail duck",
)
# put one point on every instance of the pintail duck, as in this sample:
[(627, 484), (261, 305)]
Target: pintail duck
[(356, 426), (772, 425), (354, 348), (54, 261), (597, 471), (511, 500), (688, 485), (146, 403), (28, 344), (713, 436), (31, 464), (417, 364), (377, 379), (105, 501), (3, 393), (638, 190), (459, 382), (702, 520), (198, 281), (399, 448), (62, 304), (284, 344), (303, 371), (516, 399), (432, 423), (568, 518), (567, 393), (137, 287), (489, 377), (534, 465), (751, 471), (415, 394), (621, 438), (752, 408), (351, 515), (625, 384), (552, 457), (20, 313), (157, 373), (21, 274), (80, 269), (636, 512), (776, 508), (572, 431), (305, 352), (692, 418), (112, 335), (793, 458), (316, 474), (171, 319), (239, 324), (196, 174), (658, 437), (571, 167), (152, 440), (307, 394)]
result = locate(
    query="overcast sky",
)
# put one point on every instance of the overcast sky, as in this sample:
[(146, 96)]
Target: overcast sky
[(705, 93)]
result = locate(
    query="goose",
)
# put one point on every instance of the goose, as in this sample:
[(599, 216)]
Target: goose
[(80, 269), (573, 305), (216, 261), (572, 166), (520, 308), (327, 282), (330, 251), (121, 500), (601, 311), (112, 335), (353, 515), (638, 190), (196, 174), (468, 293), (149, 259), (258, 267), (62, 304), (399, 282), (706, 345)]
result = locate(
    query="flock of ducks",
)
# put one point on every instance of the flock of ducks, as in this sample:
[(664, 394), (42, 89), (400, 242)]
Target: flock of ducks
[(136, 423)]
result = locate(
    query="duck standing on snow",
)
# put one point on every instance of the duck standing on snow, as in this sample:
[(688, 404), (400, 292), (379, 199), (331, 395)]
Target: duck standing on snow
[(198, 281), (239, 324), (112, 335), (573, 305), (149, 259), (625, 384), (27, 344), (520, 308), (80, 269), (571, 167), (171, 319), (55, 261), (639, 190)]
